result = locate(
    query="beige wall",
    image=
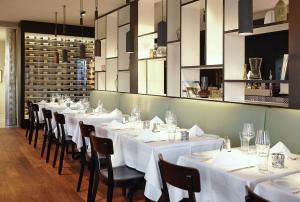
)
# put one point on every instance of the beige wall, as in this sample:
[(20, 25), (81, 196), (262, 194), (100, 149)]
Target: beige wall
[(2, 84)]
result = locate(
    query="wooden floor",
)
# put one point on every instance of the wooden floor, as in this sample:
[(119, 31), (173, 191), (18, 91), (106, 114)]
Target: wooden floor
[(25, 176)]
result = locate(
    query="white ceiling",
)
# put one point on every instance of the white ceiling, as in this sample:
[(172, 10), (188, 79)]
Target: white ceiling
[(43, 10)]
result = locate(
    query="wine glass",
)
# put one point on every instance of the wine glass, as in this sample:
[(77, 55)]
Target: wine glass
[(262, 143), (136, 113), (248, 134)]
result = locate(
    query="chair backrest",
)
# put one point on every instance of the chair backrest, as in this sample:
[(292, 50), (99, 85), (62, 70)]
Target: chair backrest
[(60, 125), (102, 146), (86, 131), (252, 197), (179, 176), (35, 112), (48, 120)]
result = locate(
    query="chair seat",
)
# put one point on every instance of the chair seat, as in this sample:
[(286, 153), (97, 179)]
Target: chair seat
[(123, 173), (68, 138)]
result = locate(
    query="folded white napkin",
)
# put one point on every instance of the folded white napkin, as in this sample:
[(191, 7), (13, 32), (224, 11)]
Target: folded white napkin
[(42, 102), (234, 160), (98, 109), (148, 136), (115, 125), (68, 111), (79, 105), (156, 119), (196, 130), (116, 113), (281, 148)]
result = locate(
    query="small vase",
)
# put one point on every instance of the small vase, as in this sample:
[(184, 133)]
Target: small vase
[(280, 11)]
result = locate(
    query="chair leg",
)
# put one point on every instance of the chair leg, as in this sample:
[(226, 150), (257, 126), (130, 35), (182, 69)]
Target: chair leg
[(55, 154), (36, 136), (95, 186), (61, 161), (80, 175), (31, 130), (44, 145), (48, 149), (123, 191), (73, 151), (110, 192), (91, 183), (27, 130), (132, 189)]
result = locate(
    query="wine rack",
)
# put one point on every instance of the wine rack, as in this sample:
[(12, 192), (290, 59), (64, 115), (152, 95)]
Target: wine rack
[(45, 77)]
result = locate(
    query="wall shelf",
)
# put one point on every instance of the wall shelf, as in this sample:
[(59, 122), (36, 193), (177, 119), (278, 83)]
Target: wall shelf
[(276, 26), (157, 58), (203, 67), (258, 81)]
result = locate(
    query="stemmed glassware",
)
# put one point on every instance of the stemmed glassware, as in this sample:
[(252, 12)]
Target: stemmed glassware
[(262, 143), (248, 133), (171, 122), (136, 113)]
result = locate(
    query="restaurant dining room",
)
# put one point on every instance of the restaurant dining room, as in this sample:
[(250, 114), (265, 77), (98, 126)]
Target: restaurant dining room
[(150, 100)]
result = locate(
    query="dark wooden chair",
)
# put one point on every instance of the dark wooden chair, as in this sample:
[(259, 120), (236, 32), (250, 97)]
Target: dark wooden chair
[(50, 134), (37, 124), (62, 138), (84, 154), (179, 176), (122, 176), (28, 105), (252, 197)]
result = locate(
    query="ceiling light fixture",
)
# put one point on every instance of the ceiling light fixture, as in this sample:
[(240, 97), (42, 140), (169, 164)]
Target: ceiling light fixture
[(97, 44), (245, 17), (162, 30), (82, 45), (56, 59), (64, 51), (129, 38)]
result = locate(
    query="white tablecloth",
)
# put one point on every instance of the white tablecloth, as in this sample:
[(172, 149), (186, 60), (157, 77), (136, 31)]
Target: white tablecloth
[(280, 189), (72, 124), (72, 120), (219, 184), (144, 156)]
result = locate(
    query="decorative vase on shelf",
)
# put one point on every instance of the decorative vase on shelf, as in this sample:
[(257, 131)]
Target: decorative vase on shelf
[(281, 11), (245, 72), (255, 65)]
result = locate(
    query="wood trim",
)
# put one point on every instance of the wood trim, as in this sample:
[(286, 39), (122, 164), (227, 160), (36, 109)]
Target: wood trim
[(134, 56), (294, 54)]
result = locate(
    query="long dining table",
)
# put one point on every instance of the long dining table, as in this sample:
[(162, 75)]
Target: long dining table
[(224, 175), (139, 151)]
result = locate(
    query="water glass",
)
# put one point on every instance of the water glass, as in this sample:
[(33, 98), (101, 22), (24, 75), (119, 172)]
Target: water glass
[(262, 150), (171, 133), (248, 133), (170, 118), (243, 142)]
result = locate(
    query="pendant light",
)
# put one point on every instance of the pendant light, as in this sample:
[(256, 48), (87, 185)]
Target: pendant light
[(64, 51), (129, 42), (82, 46), (162, 30), (97, 44), (245, 17), (56, 57), (129, 38)]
